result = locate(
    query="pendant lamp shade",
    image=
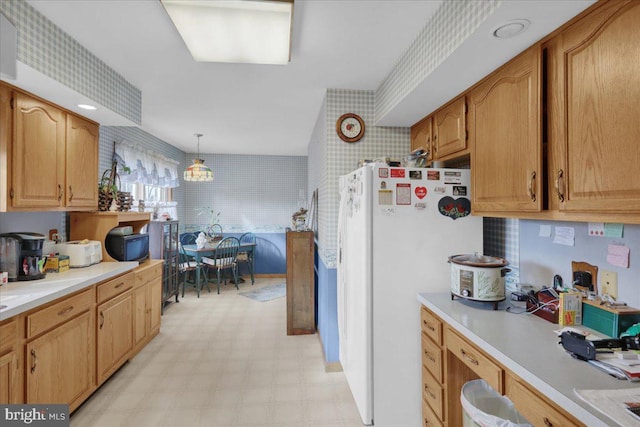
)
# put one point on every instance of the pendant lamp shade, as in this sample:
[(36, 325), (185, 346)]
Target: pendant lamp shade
[(198, 171)]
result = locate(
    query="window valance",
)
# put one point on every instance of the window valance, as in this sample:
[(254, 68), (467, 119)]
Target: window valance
[(146, 167)]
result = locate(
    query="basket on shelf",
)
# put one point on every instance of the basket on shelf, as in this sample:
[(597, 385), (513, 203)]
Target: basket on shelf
[(108, 190)]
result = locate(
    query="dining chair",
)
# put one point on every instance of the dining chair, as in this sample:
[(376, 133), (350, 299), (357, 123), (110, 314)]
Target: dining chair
[(215, 231), (224, 259), (246, 257), (188, 238), (186, 266)]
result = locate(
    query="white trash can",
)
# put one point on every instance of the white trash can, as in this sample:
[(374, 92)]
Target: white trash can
[(483, 407)]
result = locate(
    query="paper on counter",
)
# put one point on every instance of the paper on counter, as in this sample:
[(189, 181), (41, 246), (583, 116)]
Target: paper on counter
[(612, 403)]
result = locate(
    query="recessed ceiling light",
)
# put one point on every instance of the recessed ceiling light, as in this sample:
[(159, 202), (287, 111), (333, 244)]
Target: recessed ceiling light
[(256, 32), (87, 107), (511, 29)]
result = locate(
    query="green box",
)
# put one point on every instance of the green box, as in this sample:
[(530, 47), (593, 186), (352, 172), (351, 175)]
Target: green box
[(611, 322)]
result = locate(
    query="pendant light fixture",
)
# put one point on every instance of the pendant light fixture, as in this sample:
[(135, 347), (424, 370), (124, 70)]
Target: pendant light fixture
[(198, 171)]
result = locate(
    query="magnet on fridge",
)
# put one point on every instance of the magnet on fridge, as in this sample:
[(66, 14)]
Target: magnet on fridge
[(420, 205)]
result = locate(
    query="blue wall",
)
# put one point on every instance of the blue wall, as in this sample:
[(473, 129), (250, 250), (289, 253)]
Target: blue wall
[(328, 311)]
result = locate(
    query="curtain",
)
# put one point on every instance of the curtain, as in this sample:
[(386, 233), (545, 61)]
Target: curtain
[(137, 165)]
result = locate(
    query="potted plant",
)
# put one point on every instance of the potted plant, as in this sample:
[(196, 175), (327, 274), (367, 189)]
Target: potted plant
[(213, 229)]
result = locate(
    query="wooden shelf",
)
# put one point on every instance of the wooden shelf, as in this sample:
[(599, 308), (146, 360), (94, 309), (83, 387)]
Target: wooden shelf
[(96, 225)]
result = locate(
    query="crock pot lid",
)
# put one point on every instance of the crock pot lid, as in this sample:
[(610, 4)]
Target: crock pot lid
[(476, 260)]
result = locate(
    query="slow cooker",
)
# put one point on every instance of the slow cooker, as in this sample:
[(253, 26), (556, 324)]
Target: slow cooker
[(478, 277)]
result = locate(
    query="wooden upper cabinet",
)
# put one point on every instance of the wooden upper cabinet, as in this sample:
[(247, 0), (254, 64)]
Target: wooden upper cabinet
[(449, 129), (37, 154), (48, 156), (81, 162), (593, 93), (421, 134), (505, 136)]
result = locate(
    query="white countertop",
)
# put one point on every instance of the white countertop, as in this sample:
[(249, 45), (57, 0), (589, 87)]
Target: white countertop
[(528, 346), (19, 297)]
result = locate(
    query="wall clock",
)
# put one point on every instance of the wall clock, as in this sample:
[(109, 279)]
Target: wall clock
[(350, 127)]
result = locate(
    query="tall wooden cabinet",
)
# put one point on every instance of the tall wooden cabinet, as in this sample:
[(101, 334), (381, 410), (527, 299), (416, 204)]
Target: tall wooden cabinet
[(593, 93), (50, 155), (505, 133), (300, 283), (163, 244)]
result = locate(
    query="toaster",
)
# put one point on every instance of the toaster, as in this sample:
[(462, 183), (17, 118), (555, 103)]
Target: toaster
[(82, 253)]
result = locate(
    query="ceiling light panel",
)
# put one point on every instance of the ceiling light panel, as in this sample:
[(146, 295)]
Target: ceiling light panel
[(257, 32)]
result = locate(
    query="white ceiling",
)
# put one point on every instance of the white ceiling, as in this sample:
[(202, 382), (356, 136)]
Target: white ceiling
[(271, 109)]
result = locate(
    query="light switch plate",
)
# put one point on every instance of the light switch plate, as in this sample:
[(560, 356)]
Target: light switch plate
[(609, 283)]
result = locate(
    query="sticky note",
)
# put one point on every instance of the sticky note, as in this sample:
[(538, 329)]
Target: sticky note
[(564, 236), (596, 229), (613, 230), (545, 231), (618, 255)]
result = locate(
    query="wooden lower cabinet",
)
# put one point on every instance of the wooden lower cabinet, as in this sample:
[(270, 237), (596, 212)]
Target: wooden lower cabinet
[(429, 419), (114, 334), (449, 355), (60, 363), (10, 367), (533, 406), (147, 301)]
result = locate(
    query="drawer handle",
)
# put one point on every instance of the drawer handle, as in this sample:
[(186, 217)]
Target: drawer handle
[(430, 356), (426, 388), (119, 285), (468, 357), (431, 328), (532, 180), (70, 194), (547, 422), (34, 360), (101, 319), (59, 192), (65, 311), (560, 185)]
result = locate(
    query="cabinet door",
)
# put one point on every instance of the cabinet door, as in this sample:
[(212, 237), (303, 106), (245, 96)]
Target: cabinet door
[(154, 298), (37, 154), (8, 378), (115, 334), (594, 88), (59, 364), (449, 129), (81, 163), (300, 283), (505, 133), (421, 134), (140, 311)]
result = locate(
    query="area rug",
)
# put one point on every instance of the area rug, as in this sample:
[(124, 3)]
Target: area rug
[(266, 293)]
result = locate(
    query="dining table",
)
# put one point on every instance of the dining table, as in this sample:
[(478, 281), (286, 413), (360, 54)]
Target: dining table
[(209, 250)]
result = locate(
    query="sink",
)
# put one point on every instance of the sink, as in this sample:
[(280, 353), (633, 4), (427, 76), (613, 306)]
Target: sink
[(7, 301)]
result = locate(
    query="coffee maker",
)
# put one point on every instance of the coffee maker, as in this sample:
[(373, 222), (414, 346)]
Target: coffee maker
[(21, 255)]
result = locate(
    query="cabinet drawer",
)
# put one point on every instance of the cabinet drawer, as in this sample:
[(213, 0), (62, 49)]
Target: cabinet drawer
[(433, 393), (145, 275), (115, 287), (429, 419), (52, 316), (432, 358), (479, 363), (431, 325), (8, 335), (533, 407)]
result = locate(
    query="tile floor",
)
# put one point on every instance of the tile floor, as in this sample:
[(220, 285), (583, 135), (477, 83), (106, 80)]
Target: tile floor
[(224, 360)]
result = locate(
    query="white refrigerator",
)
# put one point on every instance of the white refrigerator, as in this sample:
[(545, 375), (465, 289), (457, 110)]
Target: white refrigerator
[(396, 229)]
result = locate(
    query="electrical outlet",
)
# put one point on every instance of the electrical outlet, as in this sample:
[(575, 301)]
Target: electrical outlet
[(609, 283)]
